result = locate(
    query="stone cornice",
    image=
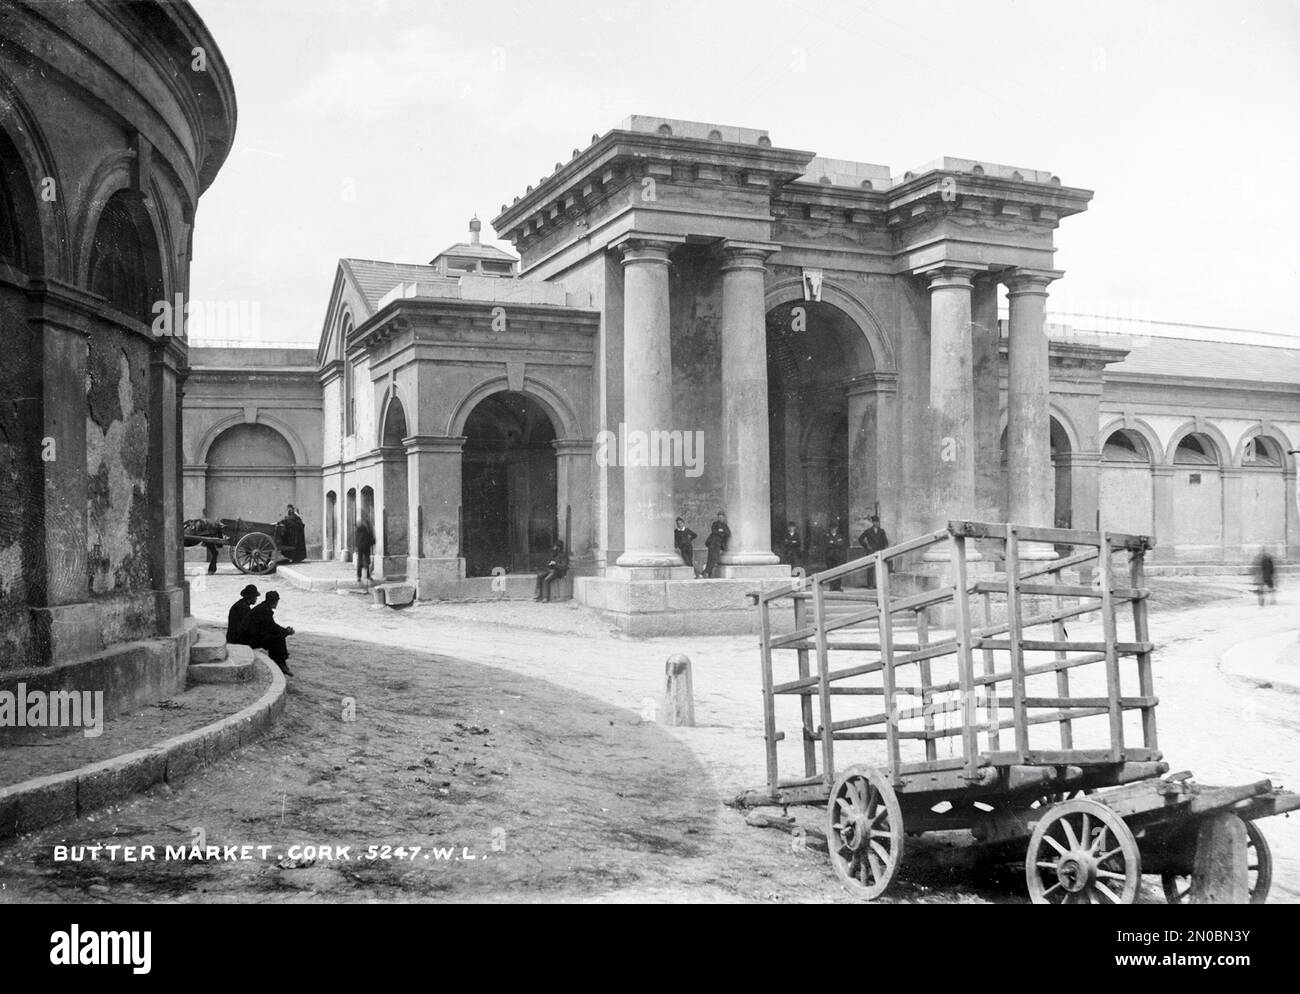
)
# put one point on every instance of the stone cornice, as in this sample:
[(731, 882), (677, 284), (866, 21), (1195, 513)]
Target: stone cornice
[(610, 160)]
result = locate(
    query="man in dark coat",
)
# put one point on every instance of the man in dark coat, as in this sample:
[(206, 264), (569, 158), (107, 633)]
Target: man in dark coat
[(555, 569), (837, 551), (873, 540), (265, 634), (362, 542), (791, 545), (292, 536), (716, 543), (1265, 577), (683, 542), (237, 619)]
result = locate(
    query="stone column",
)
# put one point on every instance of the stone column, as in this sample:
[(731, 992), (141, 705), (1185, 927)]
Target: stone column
[(573, 490), (873, 435), (433, 504), (1085, 488), (986, 337), (1029, 425), (747, 481), (952, 401), (1292, 540), (648, 499), (1162, 483), (164, 485)]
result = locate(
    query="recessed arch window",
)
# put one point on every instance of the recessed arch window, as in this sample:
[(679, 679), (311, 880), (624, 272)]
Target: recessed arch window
[(1262, 452), (1126, 445), (12, 250), (1196, 449), (349, 380)]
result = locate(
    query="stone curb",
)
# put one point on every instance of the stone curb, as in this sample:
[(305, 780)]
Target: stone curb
[(300, 580), (58, 797), (1257, 660)]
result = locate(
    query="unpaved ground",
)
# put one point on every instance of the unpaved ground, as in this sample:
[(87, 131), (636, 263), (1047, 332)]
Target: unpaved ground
[(570, 793)]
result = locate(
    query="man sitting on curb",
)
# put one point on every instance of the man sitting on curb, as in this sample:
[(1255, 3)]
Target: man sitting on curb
[(237, 619), (265, 634)]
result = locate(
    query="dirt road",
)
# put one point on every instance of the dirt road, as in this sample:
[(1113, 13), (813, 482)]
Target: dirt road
[(526, 765)]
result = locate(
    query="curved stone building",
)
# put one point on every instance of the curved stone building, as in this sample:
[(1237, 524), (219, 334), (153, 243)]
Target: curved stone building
[(114, 118)]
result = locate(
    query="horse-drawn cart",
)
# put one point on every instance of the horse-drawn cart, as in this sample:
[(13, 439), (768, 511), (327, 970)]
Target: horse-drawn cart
[(961, 706), (255, 546)]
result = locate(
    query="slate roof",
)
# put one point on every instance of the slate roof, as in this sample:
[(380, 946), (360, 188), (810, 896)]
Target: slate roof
[(480, 251), (375, 279), (1158, 355)]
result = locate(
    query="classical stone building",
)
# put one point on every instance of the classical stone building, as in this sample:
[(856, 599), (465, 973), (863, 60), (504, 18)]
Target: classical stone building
[(702, 320), (114, 118)]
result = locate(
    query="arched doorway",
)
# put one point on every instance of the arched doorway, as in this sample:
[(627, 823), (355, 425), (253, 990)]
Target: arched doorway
[(812, 349), (250, 474), (508, 496), (395, 513), (124, 259), (331, 524), (1063, 499)]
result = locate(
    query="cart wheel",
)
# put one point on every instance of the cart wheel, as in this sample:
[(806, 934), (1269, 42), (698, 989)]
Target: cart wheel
[(1081, 852), (1259, 871), (865, 834), (1041, 804), (254, 553)]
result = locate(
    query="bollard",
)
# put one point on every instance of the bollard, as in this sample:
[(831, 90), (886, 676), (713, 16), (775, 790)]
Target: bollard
[(679, 694)]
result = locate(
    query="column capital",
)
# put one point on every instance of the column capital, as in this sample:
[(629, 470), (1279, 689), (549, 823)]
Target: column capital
[(421, 444), (943, 276), (636, 247), (746, 255), (1029, 281)]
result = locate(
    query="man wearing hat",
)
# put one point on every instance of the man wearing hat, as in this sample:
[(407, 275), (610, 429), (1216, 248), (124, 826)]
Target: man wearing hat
[(873, 540), (237, 619), (265, 634)]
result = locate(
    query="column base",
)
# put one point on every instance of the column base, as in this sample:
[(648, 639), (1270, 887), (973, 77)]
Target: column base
[(943, 554), (430, 572), (1037, 550), (651, 558), (169, 608)]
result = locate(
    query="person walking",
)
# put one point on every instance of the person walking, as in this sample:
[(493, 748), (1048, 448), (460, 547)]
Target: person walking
[(265, 634), (555, 569), (716, 543), (837, 551), (363, 540), (683, 542), (1265, 577), (237, 617), (873, 539)]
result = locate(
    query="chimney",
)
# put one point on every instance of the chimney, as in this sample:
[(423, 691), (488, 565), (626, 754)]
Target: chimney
[(475, 226)]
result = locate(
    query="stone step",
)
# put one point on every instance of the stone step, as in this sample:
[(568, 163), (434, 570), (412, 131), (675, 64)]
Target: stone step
[(209, 647), (238, 666), (507, 587)]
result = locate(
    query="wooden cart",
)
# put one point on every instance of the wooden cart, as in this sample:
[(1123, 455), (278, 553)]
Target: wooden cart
[(252, 544), (958, 665)]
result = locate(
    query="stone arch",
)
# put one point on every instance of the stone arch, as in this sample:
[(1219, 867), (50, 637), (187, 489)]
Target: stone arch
[(557, 408), (1223, 451), (1273, 432), (123, 257), (113, 179), (1148, 434), (790, 291), (46, 230), (251, 472), (1067, 424), (204, 447)]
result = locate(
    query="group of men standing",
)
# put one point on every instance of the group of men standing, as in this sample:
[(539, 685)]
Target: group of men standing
[(791, 548), (256, 626)]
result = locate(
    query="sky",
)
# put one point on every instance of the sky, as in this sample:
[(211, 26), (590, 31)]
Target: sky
[(375, 128)]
